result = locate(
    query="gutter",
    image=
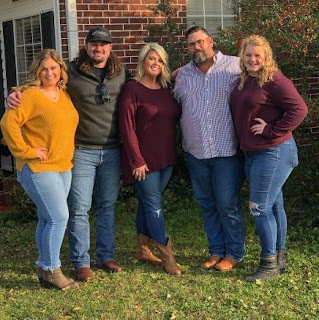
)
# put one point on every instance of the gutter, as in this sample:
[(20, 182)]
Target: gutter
[(72, 28)]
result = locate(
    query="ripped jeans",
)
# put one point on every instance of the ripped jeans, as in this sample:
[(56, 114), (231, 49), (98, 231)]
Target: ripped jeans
[(149, 217), (267, 171)]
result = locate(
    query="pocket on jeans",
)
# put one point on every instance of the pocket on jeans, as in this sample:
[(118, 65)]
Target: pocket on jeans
[(294, 157)]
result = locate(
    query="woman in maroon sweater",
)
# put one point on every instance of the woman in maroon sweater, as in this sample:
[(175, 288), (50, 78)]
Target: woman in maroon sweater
[(266, 107), (148, 114)]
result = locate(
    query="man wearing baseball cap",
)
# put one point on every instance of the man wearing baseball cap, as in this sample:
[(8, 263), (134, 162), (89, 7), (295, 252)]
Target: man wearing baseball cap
[(96, 77), (99, 34)]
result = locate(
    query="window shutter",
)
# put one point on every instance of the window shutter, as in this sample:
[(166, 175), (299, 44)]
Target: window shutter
[(9, 53), (48, 32), (1, 89)]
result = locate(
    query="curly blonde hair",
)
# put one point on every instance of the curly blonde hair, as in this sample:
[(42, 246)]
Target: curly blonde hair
[(164, 78), (34, 80), (265, 74)]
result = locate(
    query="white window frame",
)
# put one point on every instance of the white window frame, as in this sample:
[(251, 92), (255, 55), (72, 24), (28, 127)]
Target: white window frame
[(17, 46), (203, 17)]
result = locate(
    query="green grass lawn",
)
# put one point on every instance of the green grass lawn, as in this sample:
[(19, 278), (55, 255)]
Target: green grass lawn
[(147, 292)]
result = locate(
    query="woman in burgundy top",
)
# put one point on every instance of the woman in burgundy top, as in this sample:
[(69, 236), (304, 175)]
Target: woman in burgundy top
[(148, 114), (266, 107)]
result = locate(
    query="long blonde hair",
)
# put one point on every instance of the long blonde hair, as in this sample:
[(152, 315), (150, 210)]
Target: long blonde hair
[(164, 78), (265, 74), (34, 80)]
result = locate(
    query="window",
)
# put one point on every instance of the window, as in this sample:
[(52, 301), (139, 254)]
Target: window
[(210, 14), (28, 44)]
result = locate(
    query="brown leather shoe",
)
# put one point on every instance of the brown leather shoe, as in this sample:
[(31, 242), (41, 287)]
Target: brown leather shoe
[(227, 264), (110, 266), (84, 274), (211, 262)]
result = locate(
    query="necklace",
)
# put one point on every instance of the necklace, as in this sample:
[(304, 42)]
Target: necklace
[(52, 94)]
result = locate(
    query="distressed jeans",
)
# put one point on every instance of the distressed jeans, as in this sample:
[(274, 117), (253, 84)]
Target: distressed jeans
[(149, 217), (97, 170), (48, 191), (267, 171), (216, 185)]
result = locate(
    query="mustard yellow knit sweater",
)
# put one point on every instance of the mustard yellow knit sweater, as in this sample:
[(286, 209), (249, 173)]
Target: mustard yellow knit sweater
[(44, 123)]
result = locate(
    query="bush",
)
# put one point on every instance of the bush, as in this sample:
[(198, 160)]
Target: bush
[(301, 191), (25, 210), (291, 26), (168, 33)]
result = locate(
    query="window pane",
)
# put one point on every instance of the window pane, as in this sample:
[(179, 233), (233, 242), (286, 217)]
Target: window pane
[(19, 32), (228, 7), (195, 21), (28, 35), (37, 48), (195, 7), (21, 64), (213, 7), (29, 55), (27, 31), (36, 32), (210, 14)]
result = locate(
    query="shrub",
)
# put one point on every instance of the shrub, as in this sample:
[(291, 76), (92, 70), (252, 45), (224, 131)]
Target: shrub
[(302, 188), (168, 33), (291, 26), (25, 208)]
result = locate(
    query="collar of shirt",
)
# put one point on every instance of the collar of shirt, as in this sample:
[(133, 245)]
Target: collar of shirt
[(217, 57)]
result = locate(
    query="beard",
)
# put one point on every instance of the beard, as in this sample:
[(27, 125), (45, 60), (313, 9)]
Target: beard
[(97, 60), (199, 58)]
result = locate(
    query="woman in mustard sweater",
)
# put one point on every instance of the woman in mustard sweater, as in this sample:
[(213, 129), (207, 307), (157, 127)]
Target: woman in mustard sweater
[(43, 150)]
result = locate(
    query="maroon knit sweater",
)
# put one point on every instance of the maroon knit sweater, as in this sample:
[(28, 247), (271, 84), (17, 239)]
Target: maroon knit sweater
[(147, 123), (277, 102)]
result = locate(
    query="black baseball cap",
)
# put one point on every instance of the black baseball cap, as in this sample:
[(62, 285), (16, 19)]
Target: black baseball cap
[(99, 34)]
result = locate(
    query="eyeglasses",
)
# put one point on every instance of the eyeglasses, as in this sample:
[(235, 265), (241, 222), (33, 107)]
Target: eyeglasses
[(101, 88), (200, 42)]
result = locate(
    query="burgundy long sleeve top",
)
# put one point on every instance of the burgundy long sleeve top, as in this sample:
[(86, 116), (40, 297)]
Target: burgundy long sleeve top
[(277, 102), (147, 123)]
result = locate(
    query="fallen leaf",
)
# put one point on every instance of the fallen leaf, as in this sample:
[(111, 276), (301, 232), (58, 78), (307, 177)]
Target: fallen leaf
[(138, 307)]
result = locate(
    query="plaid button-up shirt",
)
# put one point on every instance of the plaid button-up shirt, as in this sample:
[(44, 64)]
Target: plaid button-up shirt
[(206, 122)]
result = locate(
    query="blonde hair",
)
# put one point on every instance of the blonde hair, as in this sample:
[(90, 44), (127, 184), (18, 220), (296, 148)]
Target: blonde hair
[(265, 74), (34, 80), (164, 78)]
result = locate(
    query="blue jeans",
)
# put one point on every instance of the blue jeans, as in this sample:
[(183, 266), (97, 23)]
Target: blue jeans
[(149, 217), (267, 171), (216, 185), (48, 191), (97, 170)]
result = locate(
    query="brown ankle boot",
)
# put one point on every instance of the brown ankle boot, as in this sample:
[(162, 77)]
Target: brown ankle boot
[(168, 259), (144, 250), (39, 274), (282, 260), (58, 280), (268, 268)]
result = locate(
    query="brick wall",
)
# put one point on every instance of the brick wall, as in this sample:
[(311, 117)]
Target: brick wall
[(126, 19), (314, 87)]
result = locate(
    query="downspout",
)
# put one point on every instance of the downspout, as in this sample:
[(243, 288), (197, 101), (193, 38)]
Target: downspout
[(72, 28)]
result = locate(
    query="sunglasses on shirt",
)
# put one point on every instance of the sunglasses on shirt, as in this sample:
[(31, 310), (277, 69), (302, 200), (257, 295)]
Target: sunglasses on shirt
[(101, 88)]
